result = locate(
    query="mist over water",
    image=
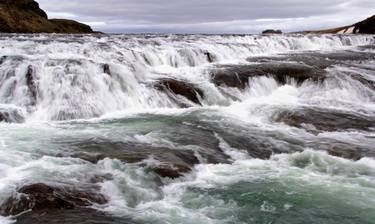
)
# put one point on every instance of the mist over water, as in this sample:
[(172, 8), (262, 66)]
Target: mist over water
[(188, 128)]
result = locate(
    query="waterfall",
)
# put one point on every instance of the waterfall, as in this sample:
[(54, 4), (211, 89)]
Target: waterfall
[(79, 77)]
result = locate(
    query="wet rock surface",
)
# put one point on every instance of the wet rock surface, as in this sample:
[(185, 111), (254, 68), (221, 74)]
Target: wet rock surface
[(31, 83), (168, 162), (318, 120), (40, 197), (74, 216), (320, 60), (10, 115), (180, 88), (283, 72)]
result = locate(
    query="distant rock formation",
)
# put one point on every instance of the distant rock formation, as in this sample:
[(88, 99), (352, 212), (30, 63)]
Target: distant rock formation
[(25, 16), (270, 31), (364, 27)]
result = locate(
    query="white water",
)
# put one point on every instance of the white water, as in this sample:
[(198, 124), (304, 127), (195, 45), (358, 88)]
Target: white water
[(72, 85)]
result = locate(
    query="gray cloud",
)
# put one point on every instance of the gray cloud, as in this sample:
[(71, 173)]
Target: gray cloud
[(210, 16)]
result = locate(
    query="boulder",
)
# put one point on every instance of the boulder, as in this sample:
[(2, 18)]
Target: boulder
[(11, 114), (107, 69), (31, 83), (25, 16), (176, 87), (40, 196), (79, 215)]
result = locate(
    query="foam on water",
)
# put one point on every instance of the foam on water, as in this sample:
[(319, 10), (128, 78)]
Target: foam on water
[(123, 107), (71, 83), (188, 200)]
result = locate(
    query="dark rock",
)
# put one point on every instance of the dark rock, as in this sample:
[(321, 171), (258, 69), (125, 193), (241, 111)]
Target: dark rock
[(78, 215), (270, 31), (316, 121), (40, 196), (210, 57), (170, 163), (69, 26), (365, 27), (191, 140), (32, 83), (25, 16), (107, 69), (176, 87), (11, 115), (317, 59), (238, 75), (171, 171)]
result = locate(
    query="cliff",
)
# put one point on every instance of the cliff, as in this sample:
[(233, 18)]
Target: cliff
[(25, 16), (366, 26)]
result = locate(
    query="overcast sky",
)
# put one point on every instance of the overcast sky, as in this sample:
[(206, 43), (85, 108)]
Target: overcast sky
[(209, 16)]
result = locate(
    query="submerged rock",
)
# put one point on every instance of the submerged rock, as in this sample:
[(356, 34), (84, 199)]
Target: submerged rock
[(181, 88), (40, 196), (191, 145), (11, 115), (25, 16), (319, 60), (317, 121), (79, 215), (171, 163), (239, 75)]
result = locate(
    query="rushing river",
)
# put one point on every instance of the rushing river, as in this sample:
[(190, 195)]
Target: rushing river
[(187, 129)]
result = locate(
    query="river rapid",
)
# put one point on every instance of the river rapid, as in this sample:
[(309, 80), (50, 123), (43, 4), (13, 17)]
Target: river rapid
[(189, 129)]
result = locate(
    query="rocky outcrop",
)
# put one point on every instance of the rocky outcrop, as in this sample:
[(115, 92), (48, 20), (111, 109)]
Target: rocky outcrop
[(366, 26), (180, 88), (316, 121), (40, 196), (238, 76), (171, 163), (25, 16)]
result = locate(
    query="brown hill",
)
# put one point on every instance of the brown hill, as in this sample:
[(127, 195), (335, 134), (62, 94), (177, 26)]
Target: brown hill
[(366, 26), (25, 16)]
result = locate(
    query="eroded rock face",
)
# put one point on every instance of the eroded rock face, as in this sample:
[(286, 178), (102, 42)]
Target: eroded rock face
[(41, 196), (177, 87), (25, 16), (282, 72), (366, 27)]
